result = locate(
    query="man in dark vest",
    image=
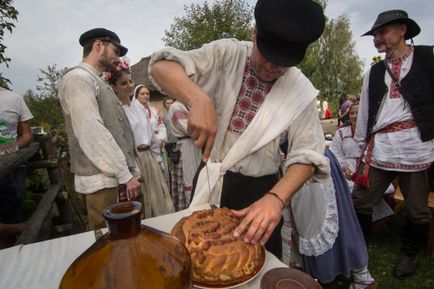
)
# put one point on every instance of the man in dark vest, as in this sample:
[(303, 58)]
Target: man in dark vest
[(99, 135), (395, 123)]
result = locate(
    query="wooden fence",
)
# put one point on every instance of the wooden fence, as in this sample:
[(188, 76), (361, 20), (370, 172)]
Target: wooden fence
[(41, 154)]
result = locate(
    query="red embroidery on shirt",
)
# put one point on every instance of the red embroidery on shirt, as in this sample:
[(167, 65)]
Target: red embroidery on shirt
[(178, 115), (250, 98), (396, 71)]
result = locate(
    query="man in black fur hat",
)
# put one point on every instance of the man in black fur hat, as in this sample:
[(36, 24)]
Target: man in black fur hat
[(244, 98), (395, 123)]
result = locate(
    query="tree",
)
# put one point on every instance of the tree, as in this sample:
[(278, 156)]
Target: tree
[(50, 80), (202, 24), (332, 63), (45, 106), (7, 13)]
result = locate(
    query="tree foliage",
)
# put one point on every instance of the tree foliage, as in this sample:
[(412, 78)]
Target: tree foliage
[(332, 63), (7, 14), (49, 81), (45, 105), (207, 22)]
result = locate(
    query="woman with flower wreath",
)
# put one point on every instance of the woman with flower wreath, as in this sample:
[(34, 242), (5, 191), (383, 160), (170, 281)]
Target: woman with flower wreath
[(156, 196)]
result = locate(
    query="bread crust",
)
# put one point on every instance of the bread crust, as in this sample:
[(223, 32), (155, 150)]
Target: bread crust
[(218, 257)]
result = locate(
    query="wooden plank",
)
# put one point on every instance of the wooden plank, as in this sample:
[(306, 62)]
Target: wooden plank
[(33, 226), (13, 160)]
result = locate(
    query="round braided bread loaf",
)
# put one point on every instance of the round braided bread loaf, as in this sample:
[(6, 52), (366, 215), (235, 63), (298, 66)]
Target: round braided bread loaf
[(217, 256)]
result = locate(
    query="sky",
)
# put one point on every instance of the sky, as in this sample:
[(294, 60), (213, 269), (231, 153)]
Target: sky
[(47, 31)]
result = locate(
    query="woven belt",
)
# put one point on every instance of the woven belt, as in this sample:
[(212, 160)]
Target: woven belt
[(363, 179), (143, 148)]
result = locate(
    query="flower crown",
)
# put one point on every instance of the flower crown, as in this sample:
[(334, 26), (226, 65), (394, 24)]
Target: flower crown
[(120, 65)]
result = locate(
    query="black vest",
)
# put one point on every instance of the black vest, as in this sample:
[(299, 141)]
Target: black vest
[(417, 89)]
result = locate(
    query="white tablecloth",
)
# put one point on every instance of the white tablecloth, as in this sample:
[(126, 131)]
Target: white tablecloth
[(42, 265)]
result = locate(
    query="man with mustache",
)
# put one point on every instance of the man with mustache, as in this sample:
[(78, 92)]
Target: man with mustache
[(244, 99), (395, 123), (99, 136)]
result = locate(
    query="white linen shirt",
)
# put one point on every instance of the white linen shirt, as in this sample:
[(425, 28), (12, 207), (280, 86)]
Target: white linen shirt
[(77, 95)]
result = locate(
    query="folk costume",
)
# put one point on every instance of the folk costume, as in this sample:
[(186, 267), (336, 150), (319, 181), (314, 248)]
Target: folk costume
[(156, 196), (185, 157), (253, 117), (395, 120), (100, 139), (341, 251)]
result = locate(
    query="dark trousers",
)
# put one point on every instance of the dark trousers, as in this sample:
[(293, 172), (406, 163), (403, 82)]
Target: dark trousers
[(12, 192), (414, 187)]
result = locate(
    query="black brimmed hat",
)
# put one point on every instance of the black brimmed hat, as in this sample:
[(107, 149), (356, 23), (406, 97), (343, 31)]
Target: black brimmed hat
[(395, 16), (285, 28), (104, 35)]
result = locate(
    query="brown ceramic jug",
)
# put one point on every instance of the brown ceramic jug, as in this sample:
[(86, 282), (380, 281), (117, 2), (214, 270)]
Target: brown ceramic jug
[(130, 255)]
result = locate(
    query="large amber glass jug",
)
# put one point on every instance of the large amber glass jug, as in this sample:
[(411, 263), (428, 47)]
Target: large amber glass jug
[(130, 255)]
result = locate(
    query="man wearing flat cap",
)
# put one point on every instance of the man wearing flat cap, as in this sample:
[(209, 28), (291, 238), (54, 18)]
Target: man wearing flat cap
[(244, 98), (395, 123), (99, 136)]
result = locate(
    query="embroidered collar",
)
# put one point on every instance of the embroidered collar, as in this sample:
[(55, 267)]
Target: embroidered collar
[(402, 58)]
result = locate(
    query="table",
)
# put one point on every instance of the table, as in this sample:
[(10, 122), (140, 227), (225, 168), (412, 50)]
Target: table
[(41, 265)]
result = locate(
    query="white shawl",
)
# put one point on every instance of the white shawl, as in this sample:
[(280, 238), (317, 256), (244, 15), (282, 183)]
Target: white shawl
[(290, 95)]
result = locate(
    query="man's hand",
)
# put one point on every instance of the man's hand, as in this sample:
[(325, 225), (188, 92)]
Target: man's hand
[(202, 125), (202, 119), (260, 220), (347, 172), (133, 189)]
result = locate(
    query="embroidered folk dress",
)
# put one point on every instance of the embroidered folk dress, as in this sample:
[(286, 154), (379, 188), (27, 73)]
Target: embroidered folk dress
[(156, 196), (190, 157), (349, 250)]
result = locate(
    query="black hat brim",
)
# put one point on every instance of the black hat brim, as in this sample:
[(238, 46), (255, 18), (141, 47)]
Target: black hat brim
[(123, 49), (413, 28)]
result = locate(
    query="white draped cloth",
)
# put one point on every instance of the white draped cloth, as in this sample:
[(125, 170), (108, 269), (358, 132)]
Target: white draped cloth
[(290, 95)]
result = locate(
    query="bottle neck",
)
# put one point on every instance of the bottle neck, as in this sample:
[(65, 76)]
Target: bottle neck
[(123, 219)]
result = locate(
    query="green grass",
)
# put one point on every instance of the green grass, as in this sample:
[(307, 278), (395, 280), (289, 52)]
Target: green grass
[(384, 252)]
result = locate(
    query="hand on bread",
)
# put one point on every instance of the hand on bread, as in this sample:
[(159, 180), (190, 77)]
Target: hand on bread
[(260, 220)]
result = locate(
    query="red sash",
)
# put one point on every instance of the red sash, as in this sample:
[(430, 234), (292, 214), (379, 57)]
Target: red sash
[(363, 179)]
